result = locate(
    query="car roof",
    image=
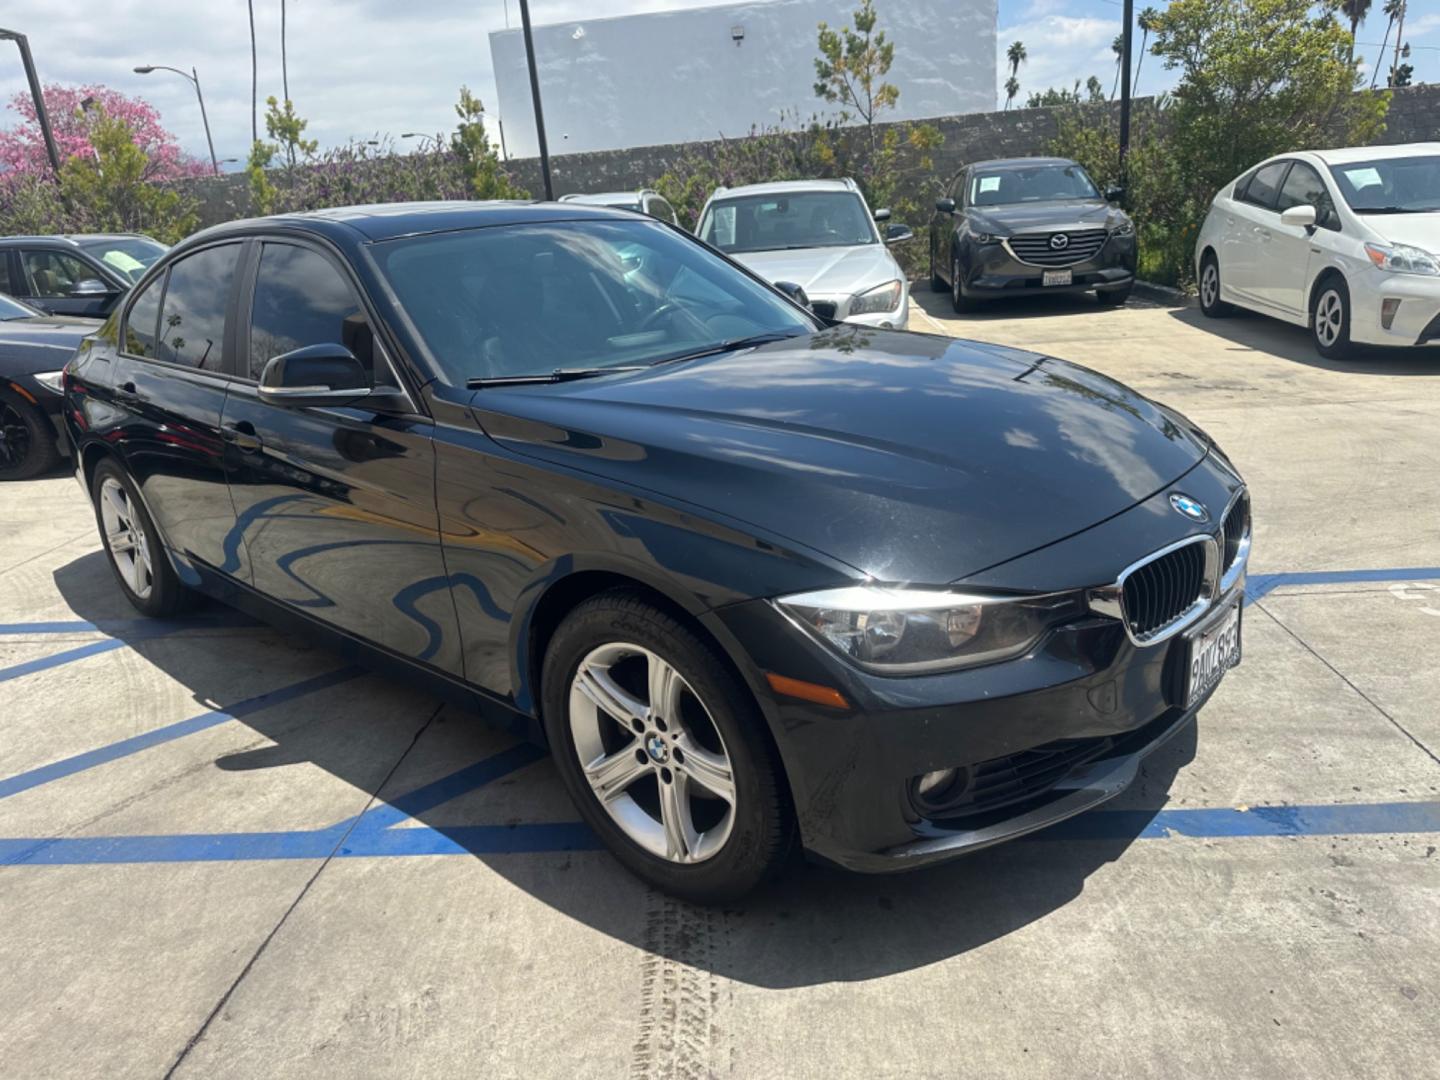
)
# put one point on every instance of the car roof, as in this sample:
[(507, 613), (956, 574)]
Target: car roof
[(1346, 154), (1019, 163), (783, 187), (607, 198), (73, 239), (388, 221)]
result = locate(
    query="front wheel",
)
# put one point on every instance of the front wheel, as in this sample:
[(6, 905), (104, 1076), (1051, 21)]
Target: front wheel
[(27, 442), (937, 283), (663, 750), (1330, 320), (958, 300), (133, 546)]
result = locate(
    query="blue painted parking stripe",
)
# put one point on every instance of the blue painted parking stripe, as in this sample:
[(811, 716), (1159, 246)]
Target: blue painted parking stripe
[(44, 663), (1211, 822), (1261, 585), (125, 747)]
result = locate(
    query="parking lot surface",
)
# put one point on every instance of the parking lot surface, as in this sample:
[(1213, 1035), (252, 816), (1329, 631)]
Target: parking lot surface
[(223, 852)]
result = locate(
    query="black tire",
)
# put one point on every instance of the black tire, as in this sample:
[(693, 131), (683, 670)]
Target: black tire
[(166, 594), (761, 828), (1209, 285), (937, 283), (1114, 297), (958, 300), (27, 440), (1330, 319)]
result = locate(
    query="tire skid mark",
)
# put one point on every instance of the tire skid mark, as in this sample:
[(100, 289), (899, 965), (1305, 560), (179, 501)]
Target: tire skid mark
[(681, 998)]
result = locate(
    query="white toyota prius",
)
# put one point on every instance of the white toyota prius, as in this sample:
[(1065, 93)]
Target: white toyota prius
[(1345, 242)]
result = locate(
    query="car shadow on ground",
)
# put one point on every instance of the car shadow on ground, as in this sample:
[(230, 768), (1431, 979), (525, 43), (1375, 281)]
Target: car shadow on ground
[(814, 925), (1248, 331), (937, 306)]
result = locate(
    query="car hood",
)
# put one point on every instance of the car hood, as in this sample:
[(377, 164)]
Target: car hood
[(825, 271), (40, 343), (1030, 217), (910, 457), (1417, 230)]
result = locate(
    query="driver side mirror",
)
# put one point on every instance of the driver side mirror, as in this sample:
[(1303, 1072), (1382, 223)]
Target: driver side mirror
[(1302, 216), (794, 292), (90, 289), (945, 206), (1114, 193), (882, 215), (898, 234), (314, 375)]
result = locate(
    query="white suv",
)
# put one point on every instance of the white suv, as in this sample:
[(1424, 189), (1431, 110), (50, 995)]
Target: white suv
[(1342, 241), (820, 235)]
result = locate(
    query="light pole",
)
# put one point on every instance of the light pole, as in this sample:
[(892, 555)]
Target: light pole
[(40, 114), (1128, 9), (146, 69), (535, 95), (425, 140)]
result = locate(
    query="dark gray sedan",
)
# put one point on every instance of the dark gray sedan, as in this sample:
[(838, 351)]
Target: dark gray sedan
[(83, 275), (34, 347)]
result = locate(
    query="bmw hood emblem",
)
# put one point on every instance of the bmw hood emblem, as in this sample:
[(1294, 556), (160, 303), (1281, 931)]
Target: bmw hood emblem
[(1191, 508)]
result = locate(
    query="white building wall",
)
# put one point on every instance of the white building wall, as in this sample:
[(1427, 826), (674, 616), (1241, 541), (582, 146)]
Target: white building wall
[(642, 80)]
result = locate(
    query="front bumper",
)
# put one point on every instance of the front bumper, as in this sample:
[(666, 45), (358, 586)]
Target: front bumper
[(992, 271), (837, 306), (1416, 319)]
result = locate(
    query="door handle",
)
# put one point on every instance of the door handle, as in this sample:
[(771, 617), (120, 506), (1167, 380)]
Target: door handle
[(242, 436), (126, 392)]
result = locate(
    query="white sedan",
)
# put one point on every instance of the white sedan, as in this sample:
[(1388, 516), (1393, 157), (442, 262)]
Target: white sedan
[(1344, 242)]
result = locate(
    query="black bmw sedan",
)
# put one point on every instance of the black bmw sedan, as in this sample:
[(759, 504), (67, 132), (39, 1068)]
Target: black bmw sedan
[(34, 348), (1030, 225), (752, 578)]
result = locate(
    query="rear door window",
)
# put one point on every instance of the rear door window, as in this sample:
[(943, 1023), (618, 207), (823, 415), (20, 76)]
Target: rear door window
[(194, 320), (1264, 186), (302, 298)]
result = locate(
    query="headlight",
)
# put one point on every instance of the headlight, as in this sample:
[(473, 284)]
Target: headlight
[(54, 381), (984, 238), (1403, 259), (902, 631), (884, 298), (1125, 228)]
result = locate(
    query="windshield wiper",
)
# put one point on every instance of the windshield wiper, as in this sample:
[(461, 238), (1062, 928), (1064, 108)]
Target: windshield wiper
[(1395, 209), (558, 375), (729, 346)]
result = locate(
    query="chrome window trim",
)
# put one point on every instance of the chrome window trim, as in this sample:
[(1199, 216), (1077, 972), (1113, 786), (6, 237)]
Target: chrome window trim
[(1109, 600)]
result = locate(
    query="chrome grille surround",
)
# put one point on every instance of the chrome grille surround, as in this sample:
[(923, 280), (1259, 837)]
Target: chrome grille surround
[(1234, 539), (1034, 248)]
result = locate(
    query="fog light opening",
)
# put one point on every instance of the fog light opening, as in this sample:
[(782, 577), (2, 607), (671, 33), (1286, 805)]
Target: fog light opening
[(1388, 307), (933, 781), (936, 791)]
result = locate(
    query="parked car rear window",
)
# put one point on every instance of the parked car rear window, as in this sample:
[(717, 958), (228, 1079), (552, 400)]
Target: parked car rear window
[(302, 299), (805, 219), (1265, 185), (527, 299), (128, 256), (1402, 185), (142, 318), (1038, 183), (192, 325)]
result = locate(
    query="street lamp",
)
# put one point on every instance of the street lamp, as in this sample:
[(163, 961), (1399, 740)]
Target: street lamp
[(425, 140), (40, 115), (194, 78)]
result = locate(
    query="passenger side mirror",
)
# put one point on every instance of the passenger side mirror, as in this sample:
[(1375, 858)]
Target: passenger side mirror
[(90, 289), (794, 292), (1302, 216), (945, 206), (1114, 193), (314, 375), (898, 234), (882, 215)]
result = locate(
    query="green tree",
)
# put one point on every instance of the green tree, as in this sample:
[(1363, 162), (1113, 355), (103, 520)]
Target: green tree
[(1355, 11), (110, 192), (851, 68), (1012, 87), (471, 144), (1094, 94), (286, 127)]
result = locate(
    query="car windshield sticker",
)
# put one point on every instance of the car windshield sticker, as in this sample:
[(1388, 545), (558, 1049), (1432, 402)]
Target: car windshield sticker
[(1363, 178), (989, 183)]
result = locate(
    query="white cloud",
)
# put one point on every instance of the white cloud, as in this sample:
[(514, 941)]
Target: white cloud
[(1064, 48)]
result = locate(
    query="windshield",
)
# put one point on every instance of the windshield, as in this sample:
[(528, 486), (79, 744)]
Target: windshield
[(1390, 185), (807, 219), (1041, 183), (128, 256), (520, 300), (13, 309)]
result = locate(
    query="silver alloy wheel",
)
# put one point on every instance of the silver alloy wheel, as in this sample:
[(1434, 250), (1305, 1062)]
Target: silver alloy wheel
[(626, 745), (1210, 284), (124, 538), (1329, 317)]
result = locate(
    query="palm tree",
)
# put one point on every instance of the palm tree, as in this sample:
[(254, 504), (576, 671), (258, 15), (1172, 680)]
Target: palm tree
[(1148, 20), (1016, 55), (1012, 87), (1399, 5), (254, 79), (1392, 9), (1118, 48), (1355, 11), (284, 68)]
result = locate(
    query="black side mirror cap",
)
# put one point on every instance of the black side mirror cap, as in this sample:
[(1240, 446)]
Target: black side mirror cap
[(325, 374), (794, 292), (1114, 194), (945, 206)]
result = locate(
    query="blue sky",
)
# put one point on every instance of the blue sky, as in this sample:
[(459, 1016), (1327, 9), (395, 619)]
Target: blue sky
[(363, 67)]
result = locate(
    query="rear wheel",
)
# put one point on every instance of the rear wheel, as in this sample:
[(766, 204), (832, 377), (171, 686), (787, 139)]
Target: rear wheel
[(1330, 320), (27, 441), (663, 750), (1210, 302), (133, 546)]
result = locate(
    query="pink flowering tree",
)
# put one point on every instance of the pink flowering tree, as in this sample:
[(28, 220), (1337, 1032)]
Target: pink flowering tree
[(22, 147)]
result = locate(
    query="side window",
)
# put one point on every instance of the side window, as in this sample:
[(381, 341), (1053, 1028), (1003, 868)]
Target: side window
[(1303, 187), (53, 274), (6, 285), (657, 207), (1265, 185), (192, 324), (140, 322), (302, 299)]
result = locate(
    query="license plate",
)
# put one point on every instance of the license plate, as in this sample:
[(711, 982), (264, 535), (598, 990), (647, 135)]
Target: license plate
[(1214, 650), (1055, 277)]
